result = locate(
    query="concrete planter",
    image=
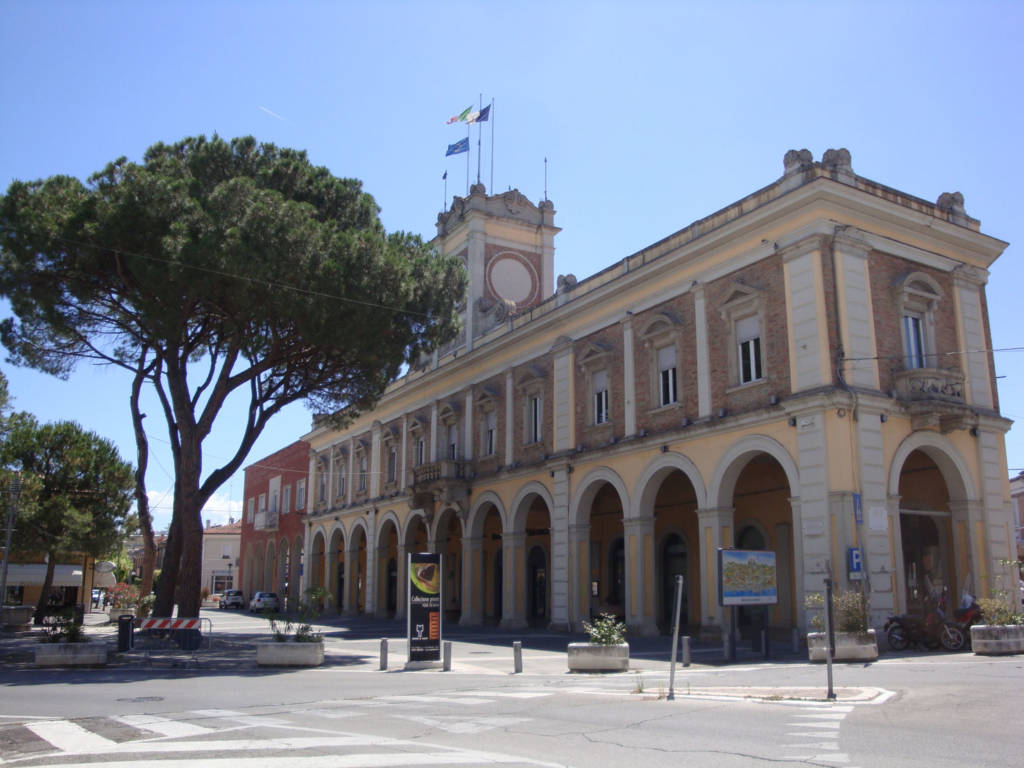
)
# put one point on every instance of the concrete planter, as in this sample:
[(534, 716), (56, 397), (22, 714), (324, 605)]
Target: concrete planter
[(271, 653), (16, 616), (589, 657), (995, 639), (850, 646), (71, 655)]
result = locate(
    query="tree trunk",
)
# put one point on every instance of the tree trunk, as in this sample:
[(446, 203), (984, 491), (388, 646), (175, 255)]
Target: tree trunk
[(141, 497), (163, 607), (44, 597)]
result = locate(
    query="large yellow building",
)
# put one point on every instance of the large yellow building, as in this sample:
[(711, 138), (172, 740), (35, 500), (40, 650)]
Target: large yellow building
[(805, 371)]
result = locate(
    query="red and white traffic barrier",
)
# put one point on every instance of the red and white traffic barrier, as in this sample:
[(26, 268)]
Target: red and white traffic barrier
[(167, 624)]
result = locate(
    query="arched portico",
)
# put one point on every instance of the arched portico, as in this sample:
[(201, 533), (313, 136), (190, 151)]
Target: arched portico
[(527, 583), (334, 559), (387, 566), (484, 577), (448, 540), (935, 519), (752, 492), (667, 497), (608, 549), (355, 569)]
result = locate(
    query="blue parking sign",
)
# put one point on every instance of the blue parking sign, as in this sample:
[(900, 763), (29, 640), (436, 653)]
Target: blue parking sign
[(855, 563)]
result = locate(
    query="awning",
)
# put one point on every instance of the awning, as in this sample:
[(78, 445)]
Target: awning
[(33, 575)]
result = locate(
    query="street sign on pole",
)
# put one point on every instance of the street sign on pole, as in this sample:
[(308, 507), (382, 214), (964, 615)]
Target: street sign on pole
[(675, 636)]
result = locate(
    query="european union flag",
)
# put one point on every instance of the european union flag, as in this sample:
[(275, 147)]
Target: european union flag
[(460, 146)]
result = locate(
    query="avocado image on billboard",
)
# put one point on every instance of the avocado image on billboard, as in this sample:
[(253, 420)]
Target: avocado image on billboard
[(423, 630)]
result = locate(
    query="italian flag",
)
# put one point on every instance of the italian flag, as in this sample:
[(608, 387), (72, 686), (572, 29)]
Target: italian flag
[(461, 117)]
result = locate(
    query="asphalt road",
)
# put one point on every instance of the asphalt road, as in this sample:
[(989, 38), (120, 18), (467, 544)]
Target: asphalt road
[(904, 711)]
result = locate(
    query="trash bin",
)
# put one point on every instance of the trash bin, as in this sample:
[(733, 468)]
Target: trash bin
[(188, 639), (125, 632), (80, 614)]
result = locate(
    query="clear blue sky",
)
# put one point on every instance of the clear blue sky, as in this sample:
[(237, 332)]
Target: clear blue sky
[(651, 115)]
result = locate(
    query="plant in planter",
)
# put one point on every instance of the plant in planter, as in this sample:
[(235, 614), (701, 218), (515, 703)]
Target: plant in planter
[(302, 647), (854, 641), (65, 644), (1002, 630), (607, 650)]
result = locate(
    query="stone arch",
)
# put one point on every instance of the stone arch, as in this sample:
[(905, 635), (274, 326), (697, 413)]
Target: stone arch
[(647, 486), (334, 565), (389, 516), (734, 460), (589, 487), (478, 513), (946, 457), (411, 522), (519, 508)]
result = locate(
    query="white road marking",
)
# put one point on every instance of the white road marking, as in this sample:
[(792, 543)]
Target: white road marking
[(163, 726), (462, 725), (824, 716), (464, 701), (378, 760), (506, 694), (241, 718), (829, 724), (69, 737)]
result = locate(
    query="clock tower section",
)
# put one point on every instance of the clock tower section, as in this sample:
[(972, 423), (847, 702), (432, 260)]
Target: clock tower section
[(508, 246)]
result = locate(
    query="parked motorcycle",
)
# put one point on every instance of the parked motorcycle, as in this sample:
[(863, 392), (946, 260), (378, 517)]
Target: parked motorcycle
[(931, 629), (967, 615)]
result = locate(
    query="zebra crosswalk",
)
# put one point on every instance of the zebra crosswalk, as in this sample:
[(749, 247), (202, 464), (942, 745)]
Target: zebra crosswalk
[(222, 738)]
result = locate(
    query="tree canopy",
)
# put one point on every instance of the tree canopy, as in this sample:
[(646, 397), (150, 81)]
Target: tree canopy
[(216, 267), (76, 495)]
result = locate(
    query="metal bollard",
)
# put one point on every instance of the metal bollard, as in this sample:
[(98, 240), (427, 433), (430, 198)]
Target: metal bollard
[(384, 654), (447, 656), (727, 646), (517, 656), (686, 650)]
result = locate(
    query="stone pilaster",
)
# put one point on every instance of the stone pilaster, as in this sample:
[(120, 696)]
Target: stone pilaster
[(639, 533), (513, 612), (472, 581)]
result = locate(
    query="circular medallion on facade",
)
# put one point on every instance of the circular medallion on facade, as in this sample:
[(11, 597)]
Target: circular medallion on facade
[(512, 277)]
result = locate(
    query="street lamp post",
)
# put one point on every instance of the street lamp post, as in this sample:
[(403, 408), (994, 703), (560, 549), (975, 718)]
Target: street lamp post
[(13, 492)]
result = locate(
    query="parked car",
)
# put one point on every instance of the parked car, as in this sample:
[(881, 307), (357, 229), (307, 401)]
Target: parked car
[(264, 601), (232, 599)]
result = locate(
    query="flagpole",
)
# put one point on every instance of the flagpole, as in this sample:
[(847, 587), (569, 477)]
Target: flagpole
[(444, 201), (479, 131), (492, 146), (545, 179), (468, 126)]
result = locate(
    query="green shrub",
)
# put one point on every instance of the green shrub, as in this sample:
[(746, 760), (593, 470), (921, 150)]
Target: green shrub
[(605, 630), (61, 627), (997, 610), (849, 609)]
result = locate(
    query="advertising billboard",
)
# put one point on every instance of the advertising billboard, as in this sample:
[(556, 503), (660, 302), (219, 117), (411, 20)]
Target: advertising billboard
[(747, 577), (424, 615)]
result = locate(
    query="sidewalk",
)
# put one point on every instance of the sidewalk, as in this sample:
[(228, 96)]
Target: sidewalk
[(354, 643)]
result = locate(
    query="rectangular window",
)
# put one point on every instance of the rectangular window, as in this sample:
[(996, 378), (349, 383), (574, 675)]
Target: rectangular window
[(453, 441), (392, 464), (250, 511), (261, 511), (272, 514), (300, 494), (600, 385), (914, 341), (322, 477), (667, 391), (490, 433), (533, 415), (421, 446), (362, 473), (286, 500), (748, 337)]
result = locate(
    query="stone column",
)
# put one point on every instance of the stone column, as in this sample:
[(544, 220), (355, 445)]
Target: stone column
[(579, 581), (403, 581), (349, 604), (715, 533), (370, 577), (471, 581), (640, 565), (513, 613), (700, 323), (559, 579)]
